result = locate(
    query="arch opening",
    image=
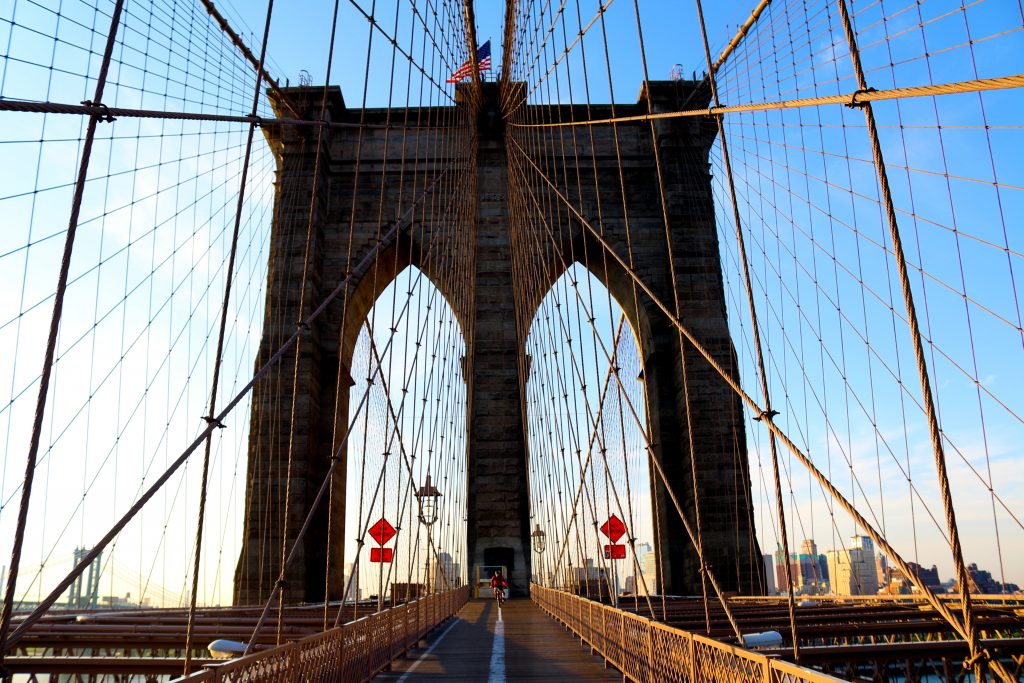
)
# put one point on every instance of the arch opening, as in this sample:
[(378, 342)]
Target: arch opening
[(586, 411), (406, 448)]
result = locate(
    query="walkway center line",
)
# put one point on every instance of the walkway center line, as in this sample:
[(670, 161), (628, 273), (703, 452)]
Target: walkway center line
[(497, 669), (419, 660)]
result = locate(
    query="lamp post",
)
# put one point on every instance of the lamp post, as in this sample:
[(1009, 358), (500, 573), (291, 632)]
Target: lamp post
[(538, 539), (539, 545), (427, 496)]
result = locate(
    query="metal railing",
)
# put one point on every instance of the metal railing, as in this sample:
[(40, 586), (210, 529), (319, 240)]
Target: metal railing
[(355, 651), (647, 651)]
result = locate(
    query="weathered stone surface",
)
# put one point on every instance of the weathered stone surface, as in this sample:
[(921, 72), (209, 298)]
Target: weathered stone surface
[(361, 187)]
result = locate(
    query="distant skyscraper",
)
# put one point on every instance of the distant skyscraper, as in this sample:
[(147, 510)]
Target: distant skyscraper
[(441, 572), (881, 569), (645, 559), (769, 575), (352, 591), (852, 571), (808, 569)]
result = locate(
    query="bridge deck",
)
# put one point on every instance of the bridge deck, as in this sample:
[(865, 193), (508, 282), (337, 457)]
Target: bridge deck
[(524, 645)]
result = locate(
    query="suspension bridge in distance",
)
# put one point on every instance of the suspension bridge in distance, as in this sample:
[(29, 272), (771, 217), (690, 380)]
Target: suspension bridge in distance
[(294, 370)]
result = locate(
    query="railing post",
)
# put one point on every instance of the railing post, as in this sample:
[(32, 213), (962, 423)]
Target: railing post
[(650, 650), (622, 642), (389, 623), (290, 674), (693, 658)]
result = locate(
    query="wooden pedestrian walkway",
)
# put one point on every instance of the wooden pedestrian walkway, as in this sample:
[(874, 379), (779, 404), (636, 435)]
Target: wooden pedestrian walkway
[(520, 644)]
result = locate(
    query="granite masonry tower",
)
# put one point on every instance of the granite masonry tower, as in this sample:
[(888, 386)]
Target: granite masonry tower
[(497, 497)]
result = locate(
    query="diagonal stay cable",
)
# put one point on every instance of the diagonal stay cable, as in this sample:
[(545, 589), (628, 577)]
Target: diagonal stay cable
[(215, 383)]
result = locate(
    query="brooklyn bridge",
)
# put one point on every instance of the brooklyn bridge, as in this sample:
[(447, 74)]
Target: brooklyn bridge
[(691, 329)]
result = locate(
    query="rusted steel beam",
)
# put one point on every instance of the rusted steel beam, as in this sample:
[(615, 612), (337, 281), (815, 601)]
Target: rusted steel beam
[(880, 652), (98, 665)]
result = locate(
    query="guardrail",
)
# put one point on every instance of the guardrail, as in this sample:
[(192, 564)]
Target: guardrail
[(355, 651), (647, 651)]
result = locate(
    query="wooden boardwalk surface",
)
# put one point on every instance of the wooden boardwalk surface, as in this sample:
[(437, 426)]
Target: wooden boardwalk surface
[(525, 645)]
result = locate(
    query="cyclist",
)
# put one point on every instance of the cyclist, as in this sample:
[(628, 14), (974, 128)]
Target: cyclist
[(500, 585)]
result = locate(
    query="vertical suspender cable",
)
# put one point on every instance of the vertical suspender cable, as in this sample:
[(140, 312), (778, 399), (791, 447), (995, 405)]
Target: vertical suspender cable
[(302, 327), (762, 374), (214, 385), (977, 653)]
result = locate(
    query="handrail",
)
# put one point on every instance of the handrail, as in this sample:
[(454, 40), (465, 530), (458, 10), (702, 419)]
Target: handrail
[(646, 651), (355, 651)]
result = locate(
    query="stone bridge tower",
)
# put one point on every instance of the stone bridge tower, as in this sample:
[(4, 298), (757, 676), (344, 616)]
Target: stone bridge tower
[(497, 496)]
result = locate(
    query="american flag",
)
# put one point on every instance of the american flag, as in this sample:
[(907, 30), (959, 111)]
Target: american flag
[(483, 55)]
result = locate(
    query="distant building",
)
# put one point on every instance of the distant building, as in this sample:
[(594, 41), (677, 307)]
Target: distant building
[(852, 571), (769, 575), (899, 583), (982, 582), (588, 580), (929, 577), (442, 572), (647, 582), (352, 591), (808, 570), (117, 602), (881, 569)]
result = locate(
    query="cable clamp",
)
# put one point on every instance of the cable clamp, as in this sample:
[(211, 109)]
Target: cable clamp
[(853, 103), (982, 656), (766, 415), (105, 116), (281, 583), (211, 420)]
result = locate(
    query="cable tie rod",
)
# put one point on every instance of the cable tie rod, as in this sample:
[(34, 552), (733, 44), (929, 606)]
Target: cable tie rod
[(212, 420), (854, 103), (104, 116)]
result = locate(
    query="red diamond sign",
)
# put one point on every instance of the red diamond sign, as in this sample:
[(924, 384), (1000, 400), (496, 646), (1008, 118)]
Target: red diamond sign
[(381, 554), (613, 528), (382, 531)]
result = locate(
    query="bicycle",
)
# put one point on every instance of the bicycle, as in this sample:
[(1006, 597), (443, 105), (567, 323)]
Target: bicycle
[(499, 596)]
